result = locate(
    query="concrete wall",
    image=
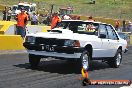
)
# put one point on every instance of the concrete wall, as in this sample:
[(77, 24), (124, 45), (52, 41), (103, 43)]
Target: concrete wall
[(11, 42), (9, 28)]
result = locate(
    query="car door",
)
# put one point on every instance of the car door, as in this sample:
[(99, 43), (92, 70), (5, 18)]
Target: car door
[(113, 40), (103, 36)]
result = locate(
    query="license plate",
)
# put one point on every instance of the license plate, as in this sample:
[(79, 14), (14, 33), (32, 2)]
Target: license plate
[(48, 48)]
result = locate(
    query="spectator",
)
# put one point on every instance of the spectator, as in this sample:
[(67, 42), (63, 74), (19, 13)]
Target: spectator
[(124, 25), (9, 12), (4, 14), (66, 17), (55, 20), (22, 19), (90, 19), (40, 18), (48, 19), (27, 15), (34, 19), (117, 25), (129, 27)]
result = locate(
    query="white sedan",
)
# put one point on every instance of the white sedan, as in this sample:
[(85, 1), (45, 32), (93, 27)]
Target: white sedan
[(77, 40)]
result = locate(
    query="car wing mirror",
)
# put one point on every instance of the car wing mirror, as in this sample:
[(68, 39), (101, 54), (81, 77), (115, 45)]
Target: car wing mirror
[(102, 36)]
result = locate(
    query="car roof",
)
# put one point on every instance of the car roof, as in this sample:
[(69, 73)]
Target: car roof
[(73, 20)]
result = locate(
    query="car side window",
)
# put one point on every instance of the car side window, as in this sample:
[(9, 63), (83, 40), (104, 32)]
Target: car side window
[(111, 33), (103, 30)]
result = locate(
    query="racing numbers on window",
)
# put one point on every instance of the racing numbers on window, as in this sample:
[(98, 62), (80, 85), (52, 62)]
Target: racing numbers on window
[(90, 28)]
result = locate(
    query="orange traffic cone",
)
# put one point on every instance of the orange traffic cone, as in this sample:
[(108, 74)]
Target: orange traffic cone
[(86, 79)]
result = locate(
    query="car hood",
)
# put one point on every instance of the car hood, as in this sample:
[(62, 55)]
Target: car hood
[(63, 34)]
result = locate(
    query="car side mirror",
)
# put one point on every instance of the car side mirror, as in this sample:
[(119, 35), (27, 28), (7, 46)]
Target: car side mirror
[(102, 36)]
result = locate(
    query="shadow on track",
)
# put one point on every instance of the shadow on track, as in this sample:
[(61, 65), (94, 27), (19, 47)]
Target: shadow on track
[(62, 66)]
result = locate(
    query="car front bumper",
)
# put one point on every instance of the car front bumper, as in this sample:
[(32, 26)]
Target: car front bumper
[(54, 54), (53, 50)]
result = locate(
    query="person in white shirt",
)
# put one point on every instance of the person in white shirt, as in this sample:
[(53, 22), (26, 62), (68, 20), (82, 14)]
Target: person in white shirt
[(34, 19), (66, 17), (9, 12)]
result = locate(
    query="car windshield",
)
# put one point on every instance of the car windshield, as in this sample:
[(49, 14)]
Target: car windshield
[(79, 27), (25, 7)]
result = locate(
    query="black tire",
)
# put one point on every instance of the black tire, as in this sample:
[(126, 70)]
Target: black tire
[(71, 60), (116, 60), (86, 82), (81, 61), (34, 61)]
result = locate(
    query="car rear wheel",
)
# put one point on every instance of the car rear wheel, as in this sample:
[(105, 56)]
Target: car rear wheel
[(34, 60), (116, 61)]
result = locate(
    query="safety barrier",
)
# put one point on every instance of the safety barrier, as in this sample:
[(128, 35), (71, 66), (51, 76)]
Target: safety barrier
[(9, 27), (11, 42), (5, 25), (14, 42), (130, 39)]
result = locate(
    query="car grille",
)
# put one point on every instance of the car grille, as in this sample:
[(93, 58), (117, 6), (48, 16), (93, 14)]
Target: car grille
[(50, 41)]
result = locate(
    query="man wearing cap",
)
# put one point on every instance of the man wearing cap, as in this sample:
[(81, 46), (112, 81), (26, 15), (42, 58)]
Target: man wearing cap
[(55, 20), (22, 19)]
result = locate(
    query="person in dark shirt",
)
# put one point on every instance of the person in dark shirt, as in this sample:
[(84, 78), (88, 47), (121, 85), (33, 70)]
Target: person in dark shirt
[(4, 14)]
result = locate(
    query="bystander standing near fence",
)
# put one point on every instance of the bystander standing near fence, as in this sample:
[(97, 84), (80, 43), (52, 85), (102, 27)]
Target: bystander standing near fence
[(34, 19), (4, 14), (129, 27), (9, 12)]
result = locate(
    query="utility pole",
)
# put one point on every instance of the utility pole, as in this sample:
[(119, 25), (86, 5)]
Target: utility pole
[(124, 21), (52, 7)]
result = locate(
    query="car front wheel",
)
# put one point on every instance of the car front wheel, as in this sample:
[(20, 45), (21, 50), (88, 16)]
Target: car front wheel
[(84, 60), (34, 60)]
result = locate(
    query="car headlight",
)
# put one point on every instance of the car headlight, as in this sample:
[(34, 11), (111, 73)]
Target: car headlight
[(30, 39), (74, 43)]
